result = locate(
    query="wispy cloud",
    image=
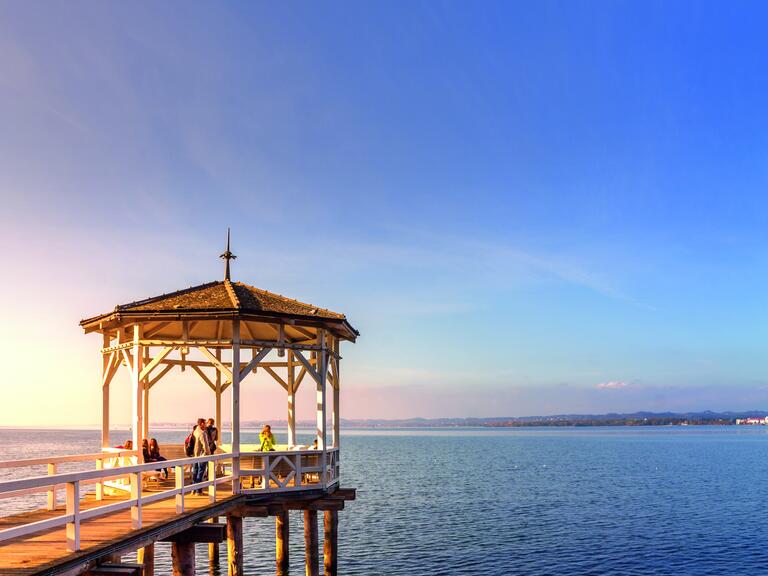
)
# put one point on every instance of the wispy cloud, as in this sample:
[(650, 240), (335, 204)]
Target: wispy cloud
[(613, 385)]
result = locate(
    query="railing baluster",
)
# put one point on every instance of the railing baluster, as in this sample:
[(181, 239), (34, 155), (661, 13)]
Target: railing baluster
[(100, 483), (212, 477), (297, 477), (236, 485), (73, 509), (136, 495), (178, 472), (52, 491)]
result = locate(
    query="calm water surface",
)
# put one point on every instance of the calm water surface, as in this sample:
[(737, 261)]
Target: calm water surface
[(651, 501)]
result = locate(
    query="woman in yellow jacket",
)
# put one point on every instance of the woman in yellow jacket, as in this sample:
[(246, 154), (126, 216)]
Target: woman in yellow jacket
[(267, 439)]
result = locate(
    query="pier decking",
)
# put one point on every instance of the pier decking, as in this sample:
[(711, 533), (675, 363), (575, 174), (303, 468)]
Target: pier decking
[(46, 552)]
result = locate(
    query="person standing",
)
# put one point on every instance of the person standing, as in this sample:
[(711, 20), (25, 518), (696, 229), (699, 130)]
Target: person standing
[(202, 448), (213, 434)]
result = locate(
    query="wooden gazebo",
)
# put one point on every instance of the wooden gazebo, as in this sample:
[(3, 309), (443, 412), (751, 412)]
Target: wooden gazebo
[(223, 331)]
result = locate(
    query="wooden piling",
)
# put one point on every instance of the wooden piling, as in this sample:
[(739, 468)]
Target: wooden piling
[(330, 542), (281, 542), (234, 545), (311, 567), (146, 557), (183, 556), (213, 549)]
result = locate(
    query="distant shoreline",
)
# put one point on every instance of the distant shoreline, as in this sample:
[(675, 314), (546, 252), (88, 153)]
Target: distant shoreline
[(706, 418)]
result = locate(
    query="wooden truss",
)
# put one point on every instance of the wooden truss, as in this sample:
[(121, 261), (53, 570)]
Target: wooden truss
[(222, 363)]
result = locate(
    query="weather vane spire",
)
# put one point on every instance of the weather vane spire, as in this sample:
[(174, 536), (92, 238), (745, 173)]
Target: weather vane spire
[(227, 256)]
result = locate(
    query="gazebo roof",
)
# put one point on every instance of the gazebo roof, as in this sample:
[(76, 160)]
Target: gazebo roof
[(223, 298)]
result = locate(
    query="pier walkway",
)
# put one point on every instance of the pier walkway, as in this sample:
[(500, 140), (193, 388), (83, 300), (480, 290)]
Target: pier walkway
[(105, 535), (112, 511)]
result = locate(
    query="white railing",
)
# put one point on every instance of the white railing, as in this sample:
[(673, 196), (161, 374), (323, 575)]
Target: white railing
[(249, 473), (288, 470), (72, 481), (53, 463)]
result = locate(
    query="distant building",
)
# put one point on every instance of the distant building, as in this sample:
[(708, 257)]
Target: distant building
[(752, 421)]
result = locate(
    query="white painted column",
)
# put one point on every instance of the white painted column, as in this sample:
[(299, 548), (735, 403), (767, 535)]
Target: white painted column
[(145, 386), (322, 370), (217, 381), (137, 391), (291, 401), (146, 410), (336, 395), (236, 405), (106, 365)]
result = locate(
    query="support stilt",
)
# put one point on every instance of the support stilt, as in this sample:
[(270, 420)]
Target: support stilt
[(234, 546), (146, 557), (330, 542), (213, 549), (183, 556), (310, 543), (281, 542)]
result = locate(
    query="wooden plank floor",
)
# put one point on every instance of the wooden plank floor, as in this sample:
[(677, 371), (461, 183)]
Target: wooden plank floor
[(36, 553)]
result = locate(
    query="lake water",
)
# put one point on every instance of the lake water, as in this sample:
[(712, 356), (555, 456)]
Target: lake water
[(576, 501)]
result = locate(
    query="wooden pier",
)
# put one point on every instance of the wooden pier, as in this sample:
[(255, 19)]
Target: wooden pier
[(112, 535), (222, 331)]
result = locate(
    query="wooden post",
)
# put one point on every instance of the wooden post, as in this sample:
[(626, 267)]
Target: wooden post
[(213, 551), (330, 542), (336, 397), (135, 479), (183, 556), (236, 406), (52, 492), (291, 401), (146, 557), (311, 567), (322, 372), (322, 369), (146, 410), (219, 423), (234, 546), (178, 474), (138, 392), (73, 509), (106, 365), (281, 542)]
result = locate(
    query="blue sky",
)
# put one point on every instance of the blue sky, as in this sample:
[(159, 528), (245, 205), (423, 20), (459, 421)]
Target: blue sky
[(526, 208)]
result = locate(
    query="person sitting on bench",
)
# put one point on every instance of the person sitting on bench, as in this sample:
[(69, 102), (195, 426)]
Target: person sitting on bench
[(267, 439)]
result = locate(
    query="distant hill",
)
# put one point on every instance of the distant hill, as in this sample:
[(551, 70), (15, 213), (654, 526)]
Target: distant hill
[(611, 419), (706, 417)]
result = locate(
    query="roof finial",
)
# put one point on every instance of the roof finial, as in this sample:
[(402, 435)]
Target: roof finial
[(227, 256)]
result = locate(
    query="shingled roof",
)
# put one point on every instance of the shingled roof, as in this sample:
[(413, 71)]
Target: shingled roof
[(223, 296)]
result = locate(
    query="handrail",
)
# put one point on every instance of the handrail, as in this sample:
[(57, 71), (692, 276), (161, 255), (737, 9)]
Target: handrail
[(284, 470), (46, 481), (23, 463), (73, 516)]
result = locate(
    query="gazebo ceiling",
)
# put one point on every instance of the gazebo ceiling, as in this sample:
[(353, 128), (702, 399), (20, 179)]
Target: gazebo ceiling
[(208, 304)]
